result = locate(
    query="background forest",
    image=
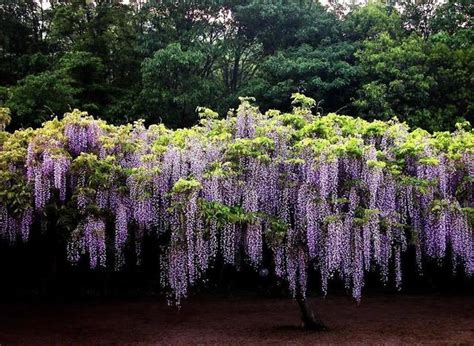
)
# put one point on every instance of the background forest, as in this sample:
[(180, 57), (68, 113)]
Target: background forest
[(159, 60)]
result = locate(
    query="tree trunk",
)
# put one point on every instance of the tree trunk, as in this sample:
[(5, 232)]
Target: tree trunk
[(309, 320)]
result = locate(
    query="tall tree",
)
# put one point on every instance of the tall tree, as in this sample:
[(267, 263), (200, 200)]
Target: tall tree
[(75, 81), (20, 36), (424, 82), (175, 82)]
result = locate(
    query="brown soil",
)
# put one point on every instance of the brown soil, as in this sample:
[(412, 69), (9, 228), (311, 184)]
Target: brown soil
[(378, 319)]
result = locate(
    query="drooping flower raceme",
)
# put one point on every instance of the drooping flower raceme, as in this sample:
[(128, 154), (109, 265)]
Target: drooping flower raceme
[(333, 193)]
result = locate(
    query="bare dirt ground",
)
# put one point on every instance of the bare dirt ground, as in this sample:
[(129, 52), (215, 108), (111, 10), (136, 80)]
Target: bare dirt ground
[(244, 320)]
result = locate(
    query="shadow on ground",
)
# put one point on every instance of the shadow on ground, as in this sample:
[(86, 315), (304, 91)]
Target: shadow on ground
[(202, 319)]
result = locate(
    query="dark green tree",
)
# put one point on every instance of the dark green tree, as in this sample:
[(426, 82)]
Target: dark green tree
[(369, 21), (326, 73), (423, 82), (75, 81), (21, 39), (175, 82), (159, 59)]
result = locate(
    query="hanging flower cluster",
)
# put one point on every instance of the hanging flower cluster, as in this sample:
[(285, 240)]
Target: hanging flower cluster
[(332, 193)]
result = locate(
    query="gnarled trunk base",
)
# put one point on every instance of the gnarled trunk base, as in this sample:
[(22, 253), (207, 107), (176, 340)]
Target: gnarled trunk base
[(309, 320)]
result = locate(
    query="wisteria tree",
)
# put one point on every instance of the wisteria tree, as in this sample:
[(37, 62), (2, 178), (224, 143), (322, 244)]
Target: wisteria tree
[(332, 194)]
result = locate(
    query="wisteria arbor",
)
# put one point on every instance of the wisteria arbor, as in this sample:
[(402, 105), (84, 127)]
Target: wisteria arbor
[(334, 194)]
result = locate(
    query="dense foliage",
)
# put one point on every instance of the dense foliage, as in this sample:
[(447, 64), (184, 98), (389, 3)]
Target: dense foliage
[(159, 60), (332, 193)]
